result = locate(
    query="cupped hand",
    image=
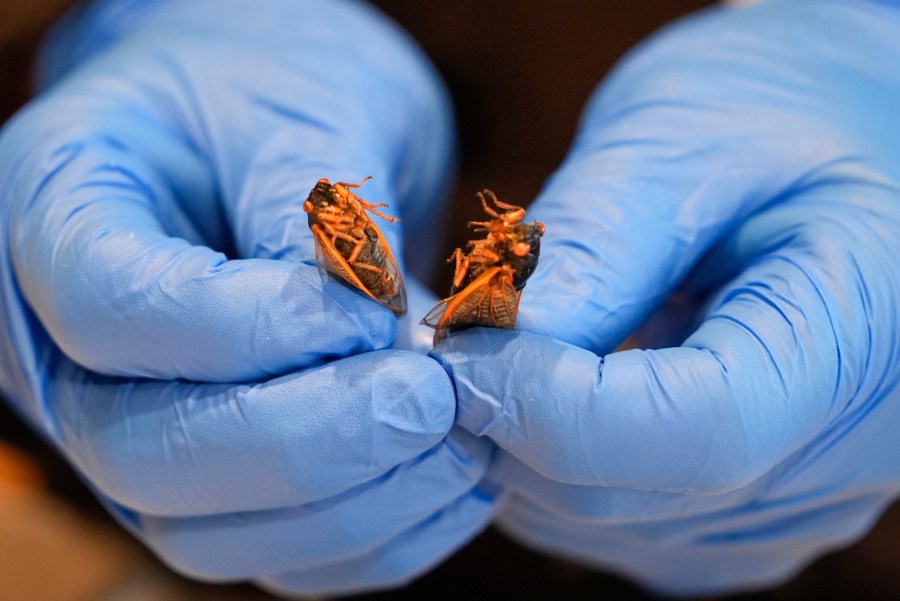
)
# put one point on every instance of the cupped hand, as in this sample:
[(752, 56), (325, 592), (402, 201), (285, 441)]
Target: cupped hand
[(735, 185), (164, 322)]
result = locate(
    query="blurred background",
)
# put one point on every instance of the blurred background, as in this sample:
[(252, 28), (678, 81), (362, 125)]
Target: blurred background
[(519, 74)]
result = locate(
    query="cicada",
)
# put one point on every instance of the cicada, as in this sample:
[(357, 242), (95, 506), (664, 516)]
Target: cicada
[(350, 245), (488, 279)]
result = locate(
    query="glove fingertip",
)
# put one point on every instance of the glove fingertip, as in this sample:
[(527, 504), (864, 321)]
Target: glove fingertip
[(414, 398)]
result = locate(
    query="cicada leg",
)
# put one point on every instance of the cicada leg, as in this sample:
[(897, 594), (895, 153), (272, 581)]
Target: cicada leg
[(513, 213), (365, 204), (359, 185), (462, 266), (386, 279), (360, 243), (502, 205)]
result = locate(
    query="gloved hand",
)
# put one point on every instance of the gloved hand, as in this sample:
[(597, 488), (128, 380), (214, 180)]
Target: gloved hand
[(164, 322), (745, 165)]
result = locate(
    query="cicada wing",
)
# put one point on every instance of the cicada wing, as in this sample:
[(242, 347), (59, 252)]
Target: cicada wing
[(330, 259), (434, 319), (396, 303), (502, 304), (392, 296), (489, 300), (493, 303), (437, 313)]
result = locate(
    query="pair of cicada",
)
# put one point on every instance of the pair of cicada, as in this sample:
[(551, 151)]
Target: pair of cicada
[(488, 278)]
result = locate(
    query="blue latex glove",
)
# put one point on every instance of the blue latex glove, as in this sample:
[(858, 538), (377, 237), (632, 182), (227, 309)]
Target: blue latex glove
[(232, 406), (749, 161)]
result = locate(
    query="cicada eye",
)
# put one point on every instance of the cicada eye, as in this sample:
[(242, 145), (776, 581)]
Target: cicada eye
[(521, 249), (308, 207)]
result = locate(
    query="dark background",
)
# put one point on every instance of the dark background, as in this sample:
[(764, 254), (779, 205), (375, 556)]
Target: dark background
[(519, 74)]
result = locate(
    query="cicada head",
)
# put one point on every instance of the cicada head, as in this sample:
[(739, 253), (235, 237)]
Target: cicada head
[(320, 197)]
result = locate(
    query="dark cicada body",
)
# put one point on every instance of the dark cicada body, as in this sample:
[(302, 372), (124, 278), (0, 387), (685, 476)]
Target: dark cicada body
[(350, 245), (519, 247), (489, 278)]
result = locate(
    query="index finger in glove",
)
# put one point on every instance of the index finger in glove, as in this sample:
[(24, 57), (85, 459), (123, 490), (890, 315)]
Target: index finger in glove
[(185, 449), (398, 561), (334, 530)]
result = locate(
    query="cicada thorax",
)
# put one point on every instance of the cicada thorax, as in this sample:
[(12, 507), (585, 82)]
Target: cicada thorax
[(489, 278), (350, 245)]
